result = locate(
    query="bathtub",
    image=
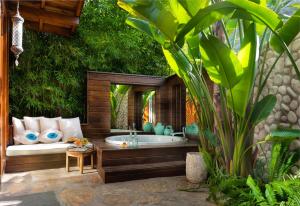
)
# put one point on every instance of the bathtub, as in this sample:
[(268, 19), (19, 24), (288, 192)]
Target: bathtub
[(146, 139)]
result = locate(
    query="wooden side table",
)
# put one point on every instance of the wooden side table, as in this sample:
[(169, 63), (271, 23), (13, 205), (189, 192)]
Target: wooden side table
[(80, 154)]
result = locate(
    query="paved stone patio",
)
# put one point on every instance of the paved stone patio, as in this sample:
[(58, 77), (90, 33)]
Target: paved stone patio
[(88, 189)]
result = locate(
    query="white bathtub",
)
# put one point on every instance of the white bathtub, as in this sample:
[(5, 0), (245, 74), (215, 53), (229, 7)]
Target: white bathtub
[(146, 139)]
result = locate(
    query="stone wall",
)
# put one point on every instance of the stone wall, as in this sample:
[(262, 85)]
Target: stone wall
[(284, 83)]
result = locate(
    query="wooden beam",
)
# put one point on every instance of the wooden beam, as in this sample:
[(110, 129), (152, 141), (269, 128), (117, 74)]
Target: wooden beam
[(48, 28), (43, 4), (48, 17), (41, 25), (79, 7), (129, 79)]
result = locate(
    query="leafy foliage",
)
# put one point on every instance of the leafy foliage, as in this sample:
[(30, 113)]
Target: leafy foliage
[(285, 192), (192, 42), (50, 79), (117, 95)]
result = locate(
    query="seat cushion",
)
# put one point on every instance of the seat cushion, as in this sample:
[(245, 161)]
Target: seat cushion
[(37, 149)]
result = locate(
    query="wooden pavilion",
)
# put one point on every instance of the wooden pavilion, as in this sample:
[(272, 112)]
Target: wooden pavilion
[(55, 16)]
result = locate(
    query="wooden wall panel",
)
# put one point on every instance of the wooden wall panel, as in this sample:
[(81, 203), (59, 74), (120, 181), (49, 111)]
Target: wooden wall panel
[(172, 97), (135, 105), (98, 107), (169, 102), (4, 108)]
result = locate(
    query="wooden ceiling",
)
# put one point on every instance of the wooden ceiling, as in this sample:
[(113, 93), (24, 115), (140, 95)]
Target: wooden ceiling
[(54, 16)]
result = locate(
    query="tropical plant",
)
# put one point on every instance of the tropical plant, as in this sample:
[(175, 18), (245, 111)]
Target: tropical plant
[(117, 95), (285, 192), (192, 45), (145, 99), (282, 158)]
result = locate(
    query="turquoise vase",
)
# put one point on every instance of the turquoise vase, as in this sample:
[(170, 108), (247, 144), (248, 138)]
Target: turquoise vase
[(148, 127), (192, 129), (168, 130), (159, 129)]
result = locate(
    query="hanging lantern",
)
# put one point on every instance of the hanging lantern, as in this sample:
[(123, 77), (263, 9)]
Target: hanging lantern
[(17, 35)]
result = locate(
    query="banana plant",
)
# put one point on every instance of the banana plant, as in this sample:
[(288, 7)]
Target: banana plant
[(185, 30)]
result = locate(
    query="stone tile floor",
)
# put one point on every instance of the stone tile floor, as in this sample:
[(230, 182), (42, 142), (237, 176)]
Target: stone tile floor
[(88, 189)]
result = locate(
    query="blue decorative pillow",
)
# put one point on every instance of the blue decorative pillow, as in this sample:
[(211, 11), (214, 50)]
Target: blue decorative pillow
[(50, 136), (28, 137)]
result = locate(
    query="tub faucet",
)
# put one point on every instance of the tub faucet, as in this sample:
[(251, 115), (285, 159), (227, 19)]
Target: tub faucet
[(183, 131)]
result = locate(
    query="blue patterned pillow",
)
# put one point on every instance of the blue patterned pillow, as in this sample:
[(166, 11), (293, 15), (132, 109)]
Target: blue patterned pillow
[(28, 137), (50, 136)]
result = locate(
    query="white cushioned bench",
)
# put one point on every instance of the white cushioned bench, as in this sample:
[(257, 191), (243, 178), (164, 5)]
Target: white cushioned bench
[(37, 149)]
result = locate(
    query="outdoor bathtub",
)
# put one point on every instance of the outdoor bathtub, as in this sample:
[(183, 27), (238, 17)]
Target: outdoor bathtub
[(146, 139)]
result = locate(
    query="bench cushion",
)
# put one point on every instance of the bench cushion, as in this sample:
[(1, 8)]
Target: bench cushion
[(37, 149)]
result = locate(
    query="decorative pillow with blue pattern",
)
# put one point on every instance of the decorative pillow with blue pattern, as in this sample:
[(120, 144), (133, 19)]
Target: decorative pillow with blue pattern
[(50, 136), (27, 137)]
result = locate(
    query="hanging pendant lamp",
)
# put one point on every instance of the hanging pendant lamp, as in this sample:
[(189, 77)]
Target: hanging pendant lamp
[(17, 34)]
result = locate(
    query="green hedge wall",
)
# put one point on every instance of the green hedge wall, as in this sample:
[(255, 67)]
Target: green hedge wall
[(50, 79)]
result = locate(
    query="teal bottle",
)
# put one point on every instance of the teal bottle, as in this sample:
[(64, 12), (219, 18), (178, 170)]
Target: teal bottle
[(168, 130), (148, 127), (192, 129), (159, 129)]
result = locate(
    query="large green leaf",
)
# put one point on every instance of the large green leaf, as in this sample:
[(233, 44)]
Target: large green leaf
[(221, 63), (179, 12), (262, 109), (287, 33), (153, 11), (234, 9), (193, 46), (206, 17), (283, 135), (193, 6), (259, 13), (146, 27), (177, 62), (241, 92)]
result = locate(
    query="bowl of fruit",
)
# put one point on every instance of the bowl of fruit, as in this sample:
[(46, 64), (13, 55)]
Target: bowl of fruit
[(78, 142)]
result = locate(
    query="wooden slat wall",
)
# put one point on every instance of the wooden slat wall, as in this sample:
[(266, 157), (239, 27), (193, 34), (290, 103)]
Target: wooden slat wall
[(169, 100), (171, 110), (4, 108), (98, 108), (98, 98), (134, 108)]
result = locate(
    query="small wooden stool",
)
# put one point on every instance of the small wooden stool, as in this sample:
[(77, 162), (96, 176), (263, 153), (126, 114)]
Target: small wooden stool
[(80, 154)]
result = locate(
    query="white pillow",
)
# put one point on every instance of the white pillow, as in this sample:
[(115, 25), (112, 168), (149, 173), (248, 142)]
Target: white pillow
[(18, 127), (50, 136), (28, 137), (70, 128), (32, 123), (49, 123)]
